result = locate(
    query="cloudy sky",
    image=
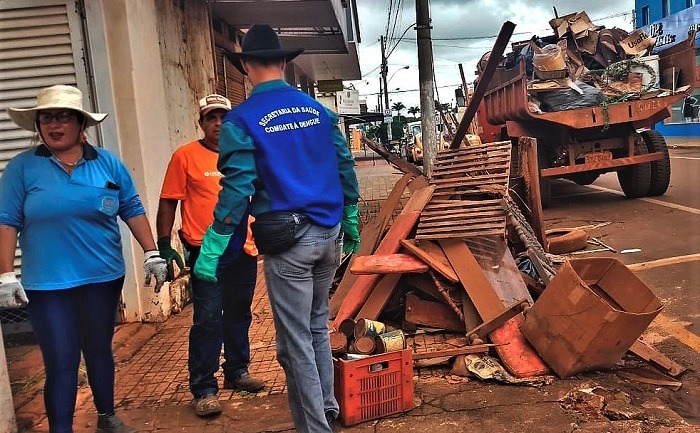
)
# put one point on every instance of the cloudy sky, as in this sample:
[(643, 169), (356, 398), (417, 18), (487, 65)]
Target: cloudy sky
[(463, 30)]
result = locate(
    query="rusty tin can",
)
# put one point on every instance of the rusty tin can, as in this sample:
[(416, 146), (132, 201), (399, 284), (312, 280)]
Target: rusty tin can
[(390, 341), (369, 328)]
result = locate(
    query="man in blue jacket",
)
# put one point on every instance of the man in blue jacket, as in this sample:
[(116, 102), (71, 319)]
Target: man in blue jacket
[(285, 150)]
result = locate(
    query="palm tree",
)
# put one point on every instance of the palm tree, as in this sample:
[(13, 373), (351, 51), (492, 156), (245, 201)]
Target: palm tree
[(413, 111), (398, 106)]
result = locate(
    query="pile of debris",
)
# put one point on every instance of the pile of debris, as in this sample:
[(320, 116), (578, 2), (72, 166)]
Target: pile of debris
[(585, 65), (465, 259)]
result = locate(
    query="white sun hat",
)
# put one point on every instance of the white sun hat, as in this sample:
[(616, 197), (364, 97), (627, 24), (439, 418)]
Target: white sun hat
[(51, 98)]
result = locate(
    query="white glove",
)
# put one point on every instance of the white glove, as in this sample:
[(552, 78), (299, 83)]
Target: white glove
[(11, 292), (155, 265)]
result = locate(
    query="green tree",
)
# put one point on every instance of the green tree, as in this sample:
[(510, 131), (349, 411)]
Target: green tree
[(398, 106), (413, 111)]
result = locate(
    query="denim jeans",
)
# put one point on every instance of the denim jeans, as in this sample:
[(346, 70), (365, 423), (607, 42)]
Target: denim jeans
[(297, 283), (221, 315), (65, 323)]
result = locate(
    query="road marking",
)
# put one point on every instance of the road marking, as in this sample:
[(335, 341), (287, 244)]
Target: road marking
[(684, 157), (651, 200), (673, 327), (643, 266), (677, 330)]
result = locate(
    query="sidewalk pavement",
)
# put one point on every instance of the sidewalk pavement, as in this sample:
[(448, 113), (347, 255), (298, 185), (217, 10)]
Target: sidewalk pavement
[(152, 388)]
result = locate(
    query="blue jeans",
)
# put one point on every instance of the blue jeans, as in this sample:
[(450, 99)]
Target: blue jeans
[(297, 283), (221, 315), (65, 323)]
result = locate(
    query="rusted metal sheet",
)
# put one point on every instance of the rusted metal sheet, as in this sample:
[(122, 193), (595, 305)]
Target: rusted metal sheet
[(601, 165)]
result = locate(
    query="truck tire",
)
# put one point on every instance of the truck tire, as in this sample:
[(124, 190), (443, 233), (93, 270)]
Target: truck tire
[(585, 178), (635, 180), (660, 170), (562, 241)]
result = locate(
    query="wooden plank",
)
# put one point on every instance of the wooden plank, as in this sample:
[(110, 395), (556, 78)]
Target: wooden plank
[(477, 286), (369, 238), (478, 348), (464, 222), (457, 235), (432, 314), (527, 148), (467, 213), (448, 204), (492, 177), (471, 316), (360, 291), (379, 297), (432, 255), (485, 328), (445, 165), (419, 199), (398, 162), (452, 228), (656, 358), (388, 264)]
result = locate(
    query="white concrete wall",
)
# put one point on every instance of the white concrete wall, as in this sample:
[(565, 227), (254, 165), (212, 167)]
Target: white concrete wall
[(160, 61)]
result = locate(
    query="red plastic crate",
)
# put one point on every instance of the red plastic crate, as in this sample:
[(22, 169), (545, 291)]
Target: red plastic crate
[(374, 387)]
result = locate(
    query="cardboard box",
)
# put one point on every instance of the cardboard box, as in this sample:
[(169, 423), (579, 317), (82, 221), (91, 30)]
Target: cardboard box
[(589, 315)]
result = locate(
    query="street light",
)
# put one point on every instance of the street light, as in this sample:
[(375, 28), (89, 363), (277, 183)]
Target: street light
[(392, 75)]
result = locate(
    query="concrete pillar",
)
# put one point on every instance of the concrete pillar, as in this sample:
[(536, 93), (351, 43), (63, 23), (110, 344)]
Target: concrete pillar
[(7, 408)]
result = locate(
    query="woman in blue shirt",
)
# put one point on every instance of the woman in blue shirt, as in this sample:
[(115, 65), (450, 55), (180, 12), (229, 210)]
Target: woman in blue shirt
[(62, 199)]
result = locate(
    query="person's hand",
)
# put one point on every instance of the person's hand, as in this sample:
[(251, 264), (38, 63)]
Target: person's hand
[(156, 266), (213, 246), (169, 254), (12, 293), (351, 229)]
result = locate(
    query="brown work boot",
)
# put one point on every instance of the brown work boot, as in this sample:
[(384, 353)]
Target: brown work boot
[(112, 424), (246, 383), (206, 406)]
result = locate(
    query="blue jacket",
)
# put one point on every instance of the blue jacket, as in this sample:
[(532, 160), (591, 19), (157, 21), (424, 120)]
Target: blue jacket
[(284, 149)]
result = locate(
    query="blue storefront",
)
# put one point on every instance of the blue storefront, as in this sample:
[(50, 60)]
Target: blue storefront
[(669, 21)]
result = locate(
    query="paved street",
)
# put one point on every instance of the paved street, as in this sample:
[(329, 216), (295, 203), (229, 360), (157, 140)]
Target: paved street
[(152, 376)]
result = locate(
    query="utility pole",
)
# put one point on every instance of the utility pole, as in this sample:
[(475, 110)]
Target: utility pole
[(426, 86), (385, 68)]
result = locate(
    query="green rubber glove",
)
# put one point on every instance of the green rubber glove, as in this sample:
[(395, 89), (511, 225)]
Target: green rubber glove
[(213, 246), (351, 228), (170, 254)]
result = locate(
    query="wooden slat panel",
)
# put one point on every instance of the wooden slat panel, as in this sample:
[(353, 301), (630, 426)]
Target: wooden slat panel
[(458, 235)]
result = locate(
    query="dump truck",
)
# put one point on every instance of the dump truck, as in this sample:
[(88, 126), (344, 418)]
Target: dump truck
[(581, 144)]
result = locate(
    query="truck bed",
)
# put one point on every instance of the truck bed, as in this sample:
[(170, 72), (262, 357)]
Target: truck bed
[(506, 100)]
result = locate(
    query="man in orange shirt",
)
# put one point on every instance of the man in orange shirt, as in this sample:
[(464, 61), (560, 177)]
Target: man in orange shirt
[(222, 308)]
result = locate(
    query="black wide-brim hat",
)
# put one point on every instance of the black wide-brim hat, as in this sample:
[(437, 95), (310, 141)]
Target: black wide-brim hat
[(261, 42)]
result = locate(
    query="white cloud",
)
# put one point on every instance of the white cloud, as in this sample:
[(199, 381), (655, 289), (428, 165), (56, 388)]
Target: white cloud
[(462, 32)]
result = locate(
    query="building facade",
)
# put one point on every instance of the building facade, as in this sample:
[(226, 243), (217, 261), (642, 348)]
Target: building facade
[(146, 63), (670, 22)]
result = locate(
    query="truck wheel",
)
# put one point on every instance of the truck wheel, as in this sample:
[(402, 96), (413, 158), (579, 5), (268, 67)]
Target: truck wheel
[(635, 180), (585, 178), (660, 170)]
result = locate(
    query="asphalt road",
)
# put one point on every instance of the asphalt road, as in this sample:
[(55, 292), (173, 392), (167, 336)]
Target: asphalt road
[(655, 228)]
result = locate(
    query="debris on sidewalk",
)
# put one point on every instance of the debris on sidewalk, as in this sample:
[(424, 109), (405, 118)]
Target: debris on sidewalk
[(463, 277)]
